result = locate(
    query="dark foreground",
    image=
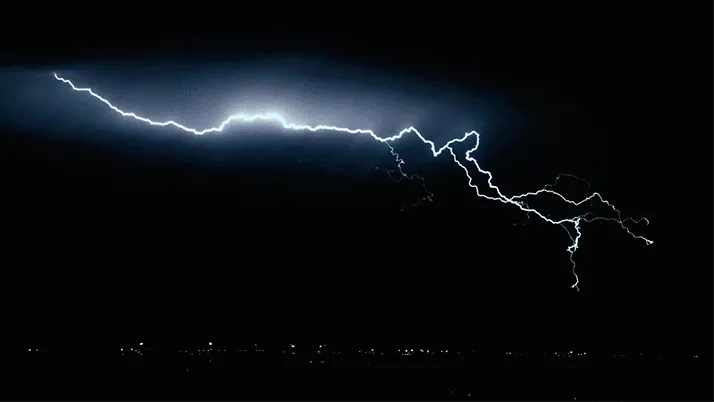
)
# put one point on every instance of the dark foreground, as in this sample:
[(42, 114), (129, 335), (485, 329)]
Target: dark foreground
[(219, 374)]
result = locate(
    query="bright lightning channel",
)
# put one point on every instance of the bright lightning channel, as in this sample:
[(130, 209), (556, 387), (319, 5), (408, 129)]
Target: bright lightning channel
[(571, 225)]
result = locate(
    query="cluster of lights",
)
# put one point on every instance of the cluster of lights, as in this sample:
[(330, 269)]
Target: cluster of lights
[(210, 350), (204, 351), (514, 354), (291, 350), (131, 350), (137, 351), (255, 348), (412, 352), (201, 352), (569, 353)]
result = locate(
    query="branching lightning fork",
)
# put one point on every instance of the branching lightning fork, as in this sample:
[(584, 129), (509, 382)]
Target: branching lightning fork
[(572, 225)]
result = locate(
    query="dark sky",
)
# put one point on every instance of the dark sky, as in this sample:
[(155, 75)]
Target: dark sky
[(116, 230)]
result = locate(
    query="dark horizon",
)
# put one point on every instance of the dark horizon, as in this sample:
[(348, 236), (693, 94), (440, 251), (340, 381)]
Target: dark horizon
[(329, 371)]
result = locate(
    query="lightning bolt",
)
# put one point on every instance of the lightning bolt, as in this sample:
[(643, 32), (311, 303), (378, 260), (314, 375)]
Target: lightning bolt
[(572, 225)]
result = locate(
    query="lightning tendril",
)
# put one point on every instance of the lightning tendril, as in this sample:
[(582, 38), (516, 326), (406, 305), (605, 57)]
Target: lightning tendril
[(572, 225)]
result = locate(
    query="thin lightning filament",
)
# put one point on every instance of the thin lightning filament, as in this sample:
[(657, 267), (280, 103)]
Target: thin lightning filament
[(572, 225)]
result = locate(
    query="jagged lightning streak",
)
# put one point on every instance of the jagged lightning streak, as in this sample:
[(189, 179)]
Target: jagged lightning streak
[(572, 225)]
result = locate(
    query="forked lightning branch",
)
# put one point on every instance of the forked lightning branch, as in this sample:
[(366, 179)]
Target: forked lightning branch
[(468, 164)]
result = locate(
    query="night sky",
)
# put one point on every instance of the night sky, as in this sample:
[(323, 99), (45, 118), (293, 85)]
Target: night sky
[(117, 232)]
